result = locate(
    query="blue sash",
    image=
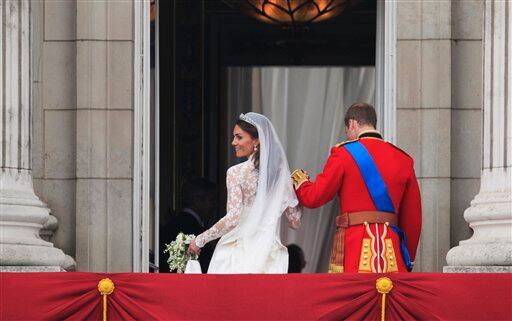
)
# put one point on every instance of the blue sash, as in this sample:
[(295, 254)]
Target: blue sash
[(377, 189)]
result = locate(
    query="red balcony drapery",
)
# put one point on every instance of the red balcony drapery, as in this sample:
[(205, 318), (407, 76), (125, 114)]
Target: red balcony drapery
[(415, 296)]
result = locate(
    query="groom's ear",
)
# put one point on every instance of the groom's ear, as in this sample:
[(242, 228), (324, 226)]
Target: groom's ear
[(353, 124)]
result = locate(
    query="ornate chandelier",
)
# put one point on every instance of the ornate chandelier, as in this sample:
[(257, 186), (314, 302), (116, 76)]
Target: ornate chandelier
[(292, 13)]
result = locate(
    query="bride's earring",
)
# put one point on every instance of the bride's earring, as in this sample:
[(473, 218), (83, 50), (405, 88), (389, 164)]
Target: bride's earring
[(255, 148)]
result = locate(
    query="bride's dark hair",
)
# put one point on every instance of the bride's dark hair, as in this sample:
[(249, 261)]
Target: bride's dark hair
[(253, 132)]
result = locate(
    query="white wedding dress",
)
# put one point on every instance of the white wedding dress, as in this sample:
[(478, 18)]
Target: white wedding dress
[(256, 200)]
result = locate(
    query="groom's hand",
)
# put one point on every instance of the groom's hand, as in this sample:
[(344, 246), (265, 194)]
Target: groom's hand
[(193, 248)]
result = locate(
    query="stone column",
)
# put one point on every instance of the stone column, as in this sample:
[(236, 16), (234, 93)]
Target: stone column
[(424, 116), (22, 214), (104, 136), (490, 213)]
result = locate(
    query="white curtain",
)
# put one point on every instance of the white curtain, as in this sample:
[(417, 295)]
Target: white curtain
[(307, 106)]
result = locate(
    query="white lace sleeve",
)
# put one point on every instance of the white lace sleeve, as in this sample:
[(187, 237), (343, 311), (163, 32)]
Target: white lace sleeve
[(293, 215), (234, 209)]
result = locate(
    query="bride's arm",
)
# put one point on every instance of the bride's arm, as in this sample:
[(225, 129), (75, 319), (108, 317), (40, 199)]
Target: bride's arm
[(293, 215), (234, 209)]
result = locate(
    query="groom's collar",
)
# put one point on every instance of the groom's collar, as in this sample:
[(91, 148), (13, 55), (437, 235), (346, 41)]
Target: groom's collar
[(371, 134)]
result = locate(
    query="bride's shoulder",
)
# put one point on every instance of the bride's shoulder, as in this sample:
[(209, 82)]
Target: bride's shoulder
[(238, 168), (235, 169)]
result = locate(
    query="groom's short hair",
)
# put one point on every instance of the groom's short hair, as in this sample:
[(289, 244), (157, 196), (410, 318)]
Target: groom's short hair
[(363, 113)]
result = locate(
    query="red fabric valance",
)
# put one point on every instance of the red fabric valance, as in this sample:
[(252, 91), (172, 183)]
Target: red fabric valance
[(415, 296)]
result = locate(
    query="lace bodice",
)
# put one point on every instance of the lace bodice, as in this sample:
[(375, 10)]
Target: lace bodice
[(242, 183)]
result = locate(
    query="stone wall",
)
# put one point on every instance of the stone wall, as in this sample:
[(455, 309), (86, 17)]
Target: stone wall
[(423, 116), (104, 135), (439, 114), (54, 113), (83, 127), (467, 89)]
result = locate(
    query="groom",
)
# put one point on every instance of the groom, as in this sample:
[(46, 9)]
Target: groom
[(379, 223)]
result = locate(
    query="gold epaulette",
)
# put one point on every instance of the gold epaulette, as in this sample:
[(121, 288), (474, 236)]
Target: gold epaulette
[(346, 142), (299, 177)]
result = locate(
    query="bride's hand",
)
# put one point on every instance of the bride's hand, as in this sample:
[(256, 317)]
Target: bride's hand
[(193, 248)]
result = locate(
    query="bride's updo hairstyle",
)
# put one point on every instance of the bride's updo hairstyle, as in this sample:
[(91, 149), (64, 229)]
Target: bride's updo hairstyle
[(253, 132)]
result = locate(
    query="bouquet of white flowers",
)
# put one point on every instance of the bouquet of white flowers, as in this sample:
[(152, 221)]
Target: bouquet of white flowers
[(178, 254)]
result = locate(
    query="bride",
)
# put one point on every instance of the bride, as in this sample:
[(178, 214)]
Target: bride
[(259, 192)]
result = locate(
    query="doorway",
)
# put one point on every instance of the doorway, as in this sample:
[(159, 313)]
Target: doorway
[(200, 45)]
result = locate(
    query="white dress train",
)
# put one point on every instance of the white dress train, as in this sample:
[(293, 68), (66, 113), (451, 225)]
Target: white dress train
[(231, 256)]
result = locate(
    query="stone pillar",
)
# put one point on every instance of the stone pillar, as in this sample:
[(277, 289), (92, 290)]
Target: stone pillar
[(104, 136), (490, 213), (424, 117), (22, 214)]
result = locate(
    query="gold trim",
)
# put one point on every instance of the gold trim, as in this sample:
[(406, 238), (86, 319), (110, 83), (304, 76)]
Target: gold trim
[(372, 247), (390, 256), (372, 138), (346, 142), (299, 177), (365, 259), (383, 251), (369, 131), (335, 268)]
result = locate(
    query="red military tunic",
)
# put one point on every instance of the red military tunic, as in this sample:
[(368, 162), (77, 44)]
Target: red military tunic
[(366, 249)]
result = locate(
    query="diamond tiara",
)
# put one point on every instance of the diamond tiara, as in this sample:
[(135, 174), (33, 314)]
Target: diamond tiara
[(247, 119)]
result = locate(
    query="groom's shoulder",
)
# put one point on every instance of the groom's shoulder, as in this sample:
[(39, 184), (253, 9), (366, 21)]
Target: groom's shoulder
[(345, 143), (404, 153)]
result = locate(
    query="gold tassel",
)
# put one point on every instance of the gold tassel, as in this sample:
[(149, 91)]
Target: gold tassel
[(105, 287), (384, 286)]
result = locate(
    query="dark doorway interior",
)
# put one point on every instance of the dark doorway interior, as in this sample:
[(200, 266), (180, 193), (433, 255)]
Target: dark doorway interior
[(197, 40)]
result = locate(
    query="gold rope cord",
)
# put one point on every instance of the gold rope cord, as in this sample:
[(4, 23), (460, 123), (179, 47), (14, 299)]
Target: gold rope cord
[(383, 308), (383, 286), (105, 287), (105, 308)]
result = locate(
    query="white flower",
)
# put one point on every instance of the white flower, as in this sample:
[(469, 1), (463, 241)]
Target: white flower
[(178, 254)]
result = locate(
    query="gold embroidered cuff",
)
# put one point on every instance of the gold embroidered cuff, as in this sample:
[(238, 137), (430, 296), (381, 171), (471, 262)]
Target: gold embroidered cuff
[(335, 268), (299, 176)]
